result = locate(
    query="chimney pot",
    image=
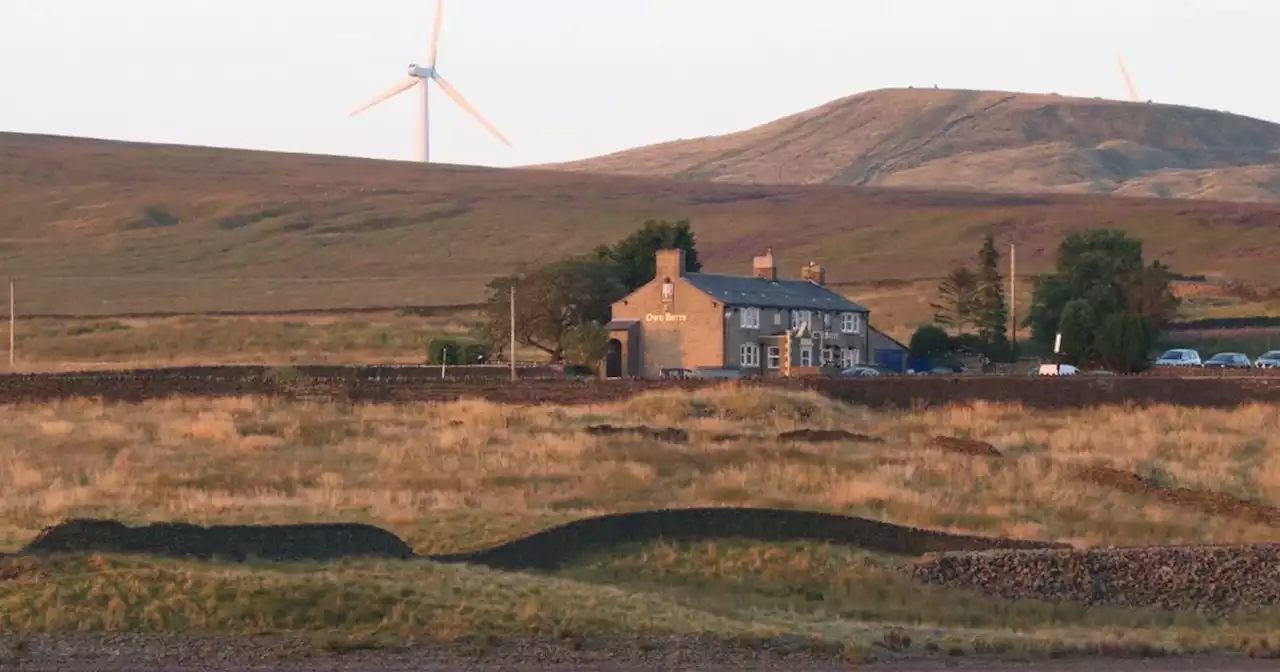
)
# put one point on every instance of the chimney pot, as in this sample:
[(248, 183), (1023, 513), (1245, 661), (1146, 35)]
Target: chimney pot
[(814, 273)]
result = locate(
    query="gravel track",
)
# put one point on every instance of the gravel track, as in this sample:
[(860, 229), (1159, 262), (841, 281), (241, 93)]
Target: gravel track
[(1209, 579)]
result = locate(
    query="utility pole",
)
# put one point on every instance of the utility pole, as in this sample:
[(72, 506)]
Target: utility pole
[(13, 321), (512, 358), (1013, 296)]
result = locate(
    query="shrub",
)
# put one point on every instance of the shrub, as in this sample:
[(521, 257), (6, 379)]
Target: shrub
[(585, 344), (931, 342), (444, 350), (1122, 342)]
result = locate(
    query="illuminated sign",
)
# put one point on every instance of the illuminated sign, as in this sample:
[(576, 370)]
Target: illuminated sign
[(665, 317)]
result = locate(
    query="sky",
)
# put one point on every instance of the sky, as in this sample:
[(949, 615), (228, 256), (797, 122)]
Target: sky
[(570, 79)]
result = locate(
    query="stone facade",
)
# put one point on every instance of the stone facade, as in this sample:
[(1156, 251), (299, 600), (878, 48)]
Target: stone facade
[(757, 324)]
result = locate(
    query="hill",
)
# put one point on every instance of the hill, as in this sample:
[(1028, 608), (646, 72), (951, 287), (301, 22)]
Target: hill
[(94, 227), (984, 140)]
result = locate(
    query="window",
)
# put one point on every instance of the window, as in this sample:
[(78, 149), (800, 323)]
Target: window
[(826, 321), (830, 354), (750, 318), (806, 356), (777, 319), (851, 323), (774, 355), (749, 356), (850, 357), (799, 317)]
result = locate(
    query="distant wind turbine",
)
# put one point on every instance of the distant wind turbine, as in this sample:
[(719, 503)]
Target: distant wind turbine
[(419, 76), (1128, 81)]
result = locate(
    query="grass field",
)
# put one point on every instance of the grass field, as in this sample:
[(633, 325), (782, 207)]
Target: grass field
[(107, 228), (469, 474), (367, 338)]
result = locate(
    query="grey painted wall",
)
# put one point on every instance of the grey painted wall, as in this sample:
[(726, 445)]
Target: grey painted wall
[(775, 322)]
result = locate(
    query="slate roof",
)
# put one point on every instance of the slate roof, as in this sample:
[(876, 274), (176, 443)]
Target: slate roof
[(738, 290), (882, 341)]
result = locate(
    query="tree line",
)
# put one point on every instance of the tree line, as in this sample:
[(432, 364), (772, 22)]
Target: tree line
[(1108, 305)]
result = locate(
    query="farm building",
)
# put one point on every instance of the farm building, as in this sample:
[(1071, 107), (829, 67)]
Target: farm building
[(888, 352), (758, 324)]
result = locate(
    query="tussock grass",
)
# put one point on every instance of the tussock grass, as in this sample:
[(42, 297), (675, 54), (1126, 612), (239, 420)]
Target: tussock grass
[(450, 477), (457, 476)]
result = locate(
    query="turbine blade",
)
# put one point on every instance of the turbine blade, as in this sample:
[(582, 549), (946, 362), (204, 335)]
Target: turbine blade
[(435, 36), (470, 109), (1128, 80), (403, 86)]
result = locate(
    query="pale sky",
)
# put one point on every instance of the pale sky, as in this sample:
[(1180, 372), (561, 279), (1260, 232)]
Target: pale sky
[(568, 79)]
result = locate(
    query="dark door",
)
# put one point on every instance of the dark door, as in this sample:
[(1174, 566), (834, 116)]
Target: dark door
[(613, 359)]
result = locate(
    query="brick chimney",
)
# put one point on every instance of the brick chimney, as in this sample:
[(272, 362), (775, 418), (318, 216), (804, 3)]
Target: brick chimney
[(763, 267), (814, 273), (670, 263)]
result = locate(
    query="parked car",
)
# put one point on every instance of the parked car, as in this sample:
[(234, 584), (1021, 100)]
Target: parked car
[(1179, 357), (859, 372), (1268, 360), (1057, 370), (1228, 360)]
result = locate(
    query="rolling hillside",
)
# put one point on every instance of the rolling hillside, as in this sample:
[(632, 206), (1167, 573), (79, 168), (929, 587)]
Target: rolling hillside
[(99, 227), (987, 141)]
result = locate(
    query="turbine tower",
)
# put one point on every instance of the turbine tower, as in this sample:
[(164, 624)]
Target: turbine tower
[(423, 76), (1128, 81)]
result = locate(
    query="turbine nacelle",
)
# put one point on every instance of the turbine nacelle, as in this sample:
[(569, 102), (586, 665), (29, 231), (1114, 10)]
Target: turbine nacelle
[(420, 72), (424, 76)]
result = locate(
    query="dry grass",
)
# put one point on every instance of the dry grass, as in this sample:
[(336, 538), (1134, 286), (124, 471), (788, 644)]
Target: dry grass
[(456, 476), (467, 474), (107, 228), (51, 344), (985, 140)]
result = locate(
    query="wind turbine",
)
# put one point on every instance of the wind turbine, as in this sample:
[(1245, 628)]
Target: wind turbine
[(423, 76), (1128, 81)]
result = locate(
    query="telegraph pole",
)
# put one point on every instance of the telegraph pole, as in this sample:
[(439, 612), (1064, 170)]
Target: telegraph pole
[(12, 324), (512, 358), (1013, 296)]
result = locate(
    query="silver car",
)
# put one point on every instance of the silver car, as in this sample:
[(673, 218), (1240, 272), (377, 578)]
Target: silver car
[(1268, 360), (1179, 357)]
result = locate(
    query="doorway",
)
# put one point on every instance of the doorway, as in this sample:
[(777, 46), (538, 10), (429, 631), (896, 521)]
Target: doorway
[(613, 359)]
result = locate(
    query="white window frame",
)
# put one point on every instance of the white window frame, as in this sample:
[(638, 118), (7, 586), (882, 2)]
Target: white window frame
[(777, 318), (826, 321), (806, 356), (749, 355), (851, 357), (750, 318), (773, 357), (796, 318), (851, 323)]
